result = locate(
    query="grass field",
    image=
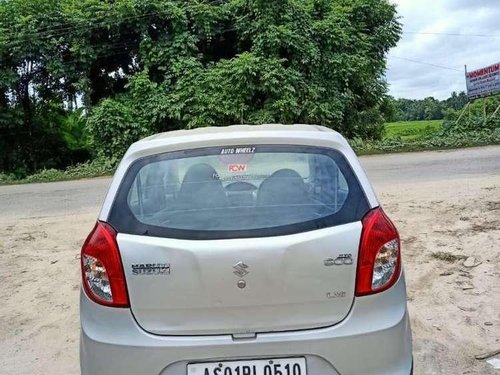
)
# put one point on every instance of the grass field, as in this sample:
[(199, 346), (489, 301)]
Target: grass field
[(411, 130)]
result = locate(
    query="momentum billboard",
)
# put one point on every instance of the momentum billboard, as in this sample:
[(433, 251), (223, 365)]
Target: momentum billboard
[(483, 82)]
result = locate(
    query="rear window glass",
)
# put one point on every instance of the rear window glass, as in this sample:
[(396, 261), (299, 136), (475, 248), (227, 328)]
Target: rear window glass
[(240, 191)]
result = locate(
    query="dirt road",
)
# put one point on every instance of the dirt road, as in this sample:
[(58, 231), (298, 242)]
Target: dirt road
[(446, 205)]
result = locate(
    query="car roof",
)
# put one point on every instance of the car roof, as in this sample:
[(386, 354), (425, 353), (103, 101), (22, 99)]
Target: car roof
[(220, 130)]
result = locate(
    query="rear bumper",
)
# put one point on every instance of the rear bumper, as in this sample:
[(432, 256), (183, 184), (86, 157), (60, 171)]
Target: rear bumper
[(374, 339)]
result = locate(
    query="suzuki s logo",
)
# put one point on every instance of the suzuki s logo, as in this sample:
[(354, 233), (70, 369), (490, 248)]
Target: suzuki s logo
[(342, 259), (240, 269)]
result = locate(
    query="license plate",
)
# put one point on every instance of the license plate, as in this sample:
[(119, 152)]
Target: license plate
[(282, 366)]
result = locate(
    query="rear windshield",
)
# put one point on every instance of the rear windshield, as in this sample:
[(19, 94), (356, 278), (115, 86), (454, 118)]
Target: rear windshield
[(235, 192)]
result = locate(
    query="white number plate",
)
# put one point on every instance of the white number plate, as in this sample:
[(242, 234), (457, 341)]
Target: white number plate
[(283, 366)]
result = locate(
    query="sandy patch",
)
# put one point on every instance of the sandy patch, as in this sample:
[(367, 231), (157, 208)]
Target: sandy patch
[(455, 309), (40, 278)]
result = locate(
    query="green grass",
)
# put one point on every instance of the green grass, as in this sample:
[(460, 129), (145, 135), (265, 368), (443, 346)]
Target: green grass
[(411, 130), (436, 141), (90, 169)]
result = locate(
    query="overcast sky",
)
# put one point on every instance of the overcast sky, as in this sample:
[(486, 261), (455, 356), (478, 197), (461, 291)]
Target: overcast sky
[(414, 80)]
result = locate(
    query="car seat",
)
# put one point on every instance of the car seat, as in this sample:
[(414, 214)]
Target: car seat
[(283, 187), (201, 188)]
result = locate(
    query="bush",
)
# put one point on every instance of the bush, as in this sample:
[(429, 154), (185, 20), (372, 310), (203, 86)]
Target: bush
[(474, 118), (95, 168), (6, 178), (114, 126), (437, 141)]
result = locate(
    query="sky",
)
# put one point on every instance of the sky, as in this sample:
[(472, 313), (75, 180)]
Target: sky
[(425, 23)]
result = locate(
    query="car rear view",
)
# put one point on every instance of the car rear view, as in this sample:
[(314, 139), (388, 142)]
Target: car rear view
[(247, 250)]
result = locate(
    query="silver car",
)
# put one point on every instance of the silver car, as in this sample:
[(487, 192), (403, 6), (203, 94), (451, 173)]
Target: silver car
[(243, 250)]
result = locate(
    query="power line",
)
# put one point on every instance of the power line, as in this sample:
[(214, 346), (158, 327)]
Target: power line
[(59, 31), (66, 30), (453, 34), (425, 63)]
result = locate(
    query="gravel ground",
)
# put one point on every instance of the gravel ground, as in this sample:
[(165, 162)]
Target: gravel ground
[(444, 219)]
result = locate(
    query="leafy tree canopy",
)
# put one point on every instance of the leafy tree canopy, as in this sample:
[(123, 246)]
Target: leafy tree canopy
[(425, 109), (141, 66)]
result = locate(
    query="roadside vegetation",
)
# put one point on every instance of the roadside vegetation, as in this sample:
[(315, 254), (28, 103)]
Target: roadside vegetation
[(409, 130), (475, 125), (425, 109), (80, 81), (403, 136), (95, 168), (440, 141), (472, 129)]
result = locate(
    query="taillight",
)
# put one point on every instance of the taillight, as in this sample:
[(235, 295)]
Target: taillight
[(102, 270), (379, 263)]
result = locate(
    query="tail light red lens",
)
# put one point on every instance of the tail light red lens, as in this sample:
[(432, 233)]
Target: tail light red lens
[(379, 263), (102, 270)]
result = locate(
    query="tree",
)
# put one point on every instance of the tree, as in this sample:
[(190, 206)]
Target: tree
[(51, 53), (456, 101), (432, 109), (261, 61), (158, 65), (428, 108)]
